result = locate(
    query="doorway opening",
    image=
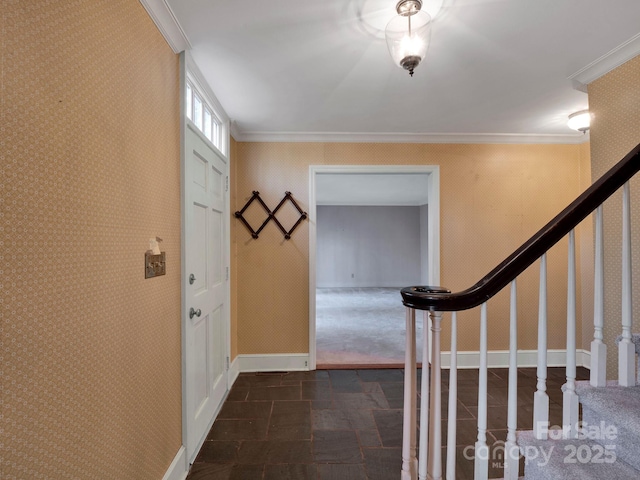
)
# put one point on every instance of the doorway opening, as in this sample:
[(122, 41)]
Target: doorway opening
[(373, 230)]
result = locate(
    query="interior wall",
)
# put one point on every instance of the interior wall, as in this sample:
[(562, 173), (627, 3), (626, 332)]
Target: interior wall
[(90, 171), (367, 246), (493, 198), (614, 100)]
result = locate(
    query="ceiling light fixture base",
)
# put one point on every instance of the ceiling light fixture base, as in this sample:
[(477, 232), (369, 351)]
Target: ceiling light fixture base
[(408, 7)]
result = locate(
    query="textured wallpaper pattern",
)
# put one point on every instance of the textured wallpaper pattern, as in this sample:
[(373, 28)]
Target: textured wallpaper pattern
[(493, 198), (89, 171), (614, 100)]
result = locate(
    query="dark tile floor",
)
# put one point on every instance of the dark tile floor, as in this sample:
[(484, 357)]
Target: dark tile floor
[(347, 424)]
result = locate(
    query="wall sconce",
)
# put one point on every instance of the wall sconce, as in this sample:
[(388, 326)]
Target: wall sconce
[(580, 121), (408, 34)]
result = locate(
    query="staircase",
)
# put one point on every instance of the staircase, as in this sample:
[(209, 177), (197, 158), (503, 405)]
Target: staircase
[(608, 445), (600, 433)]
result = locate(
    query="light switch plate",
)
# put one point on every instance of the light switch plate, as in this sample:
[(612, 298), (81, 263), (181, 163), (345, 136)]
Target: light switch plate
[(154, 265)]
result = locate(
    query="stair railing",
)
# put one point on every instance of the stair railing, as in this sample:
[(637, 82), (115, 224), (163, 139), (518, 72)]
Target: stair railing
[(433, 301)]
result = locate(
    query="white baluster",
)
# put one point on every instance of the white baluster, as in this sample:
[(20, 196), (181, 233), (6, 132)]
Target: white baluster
[(511, 450), (626, 348), (481, 463), (435, 434), (541, 398), (598, 375), (569, 397), (423, 455), (409, 460), (453, 400)]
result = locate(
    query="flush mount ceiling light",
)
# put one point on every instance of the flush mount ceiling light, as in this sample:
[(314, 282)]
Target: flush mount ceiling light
[(580, 121), (408, 34)]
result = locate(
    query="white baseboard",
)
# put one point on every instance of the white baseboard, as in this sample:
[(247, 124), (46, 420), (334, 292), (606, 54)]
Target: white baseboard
[(282, 362), (286, 362), (526, 358), (178, 470)]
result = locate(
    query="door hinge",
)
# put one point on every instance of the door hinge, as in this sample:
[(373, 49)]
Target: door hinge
[(226, 183), (227, 363), (227, 274)]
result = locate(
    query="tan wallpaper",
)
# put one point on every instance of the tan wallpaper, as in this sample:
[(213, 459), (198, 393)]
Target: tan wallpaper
[(493, 198), (614, 100), (89, 171)]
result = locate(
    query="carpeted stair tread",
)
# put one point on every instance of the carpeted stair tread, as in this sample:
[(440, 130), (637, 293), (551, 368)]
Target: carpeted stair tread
[(617, 405), (558, 452), (614, 407)]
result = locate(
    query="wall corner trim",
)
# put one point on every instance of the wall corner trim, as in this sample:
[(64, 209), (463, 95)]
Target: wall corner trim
[(607, 62), (167, 23), (178, 470), (234, 371), (234, 130)]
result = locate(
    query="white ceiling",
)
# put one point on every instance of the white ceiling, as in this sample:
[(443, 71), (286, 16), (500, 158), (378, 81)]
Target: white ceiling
[(313, 70)]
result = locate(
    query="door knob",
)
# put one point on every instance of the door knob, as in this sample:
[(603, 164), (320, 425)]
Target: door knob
[(194, 313), (192, 278)]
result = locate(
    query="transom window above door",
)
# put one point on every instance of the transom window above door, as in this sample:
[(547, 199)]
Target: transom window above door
[(203, 117)]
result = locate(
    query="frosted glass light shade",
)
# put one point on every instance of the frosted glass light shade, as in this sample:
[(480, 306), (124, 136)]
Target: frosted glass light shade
[(408, 39), (580, 121)]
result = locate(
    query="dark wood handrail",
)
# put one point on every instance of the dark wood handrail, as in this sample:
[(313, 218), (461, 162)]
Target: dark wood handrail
[(438, 299)]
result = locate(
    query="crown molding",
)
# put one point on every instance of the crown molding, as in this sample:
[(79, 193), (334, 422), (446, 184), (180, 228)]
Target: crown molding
[(167, 23), (469, 138), (609, 61)]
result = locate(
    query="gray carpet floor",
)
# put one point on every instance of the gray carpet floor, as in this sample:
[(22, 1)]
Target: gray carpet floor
[(361, 326)]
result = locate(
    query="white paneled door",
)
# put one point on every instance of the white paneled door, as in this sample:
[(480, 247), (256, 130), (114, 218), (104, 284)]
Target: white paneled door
[(205, 285)]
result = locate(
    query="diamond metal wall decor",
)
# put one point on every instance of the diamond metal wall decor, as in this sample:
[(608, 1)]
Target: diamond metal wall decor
[(271, 215)]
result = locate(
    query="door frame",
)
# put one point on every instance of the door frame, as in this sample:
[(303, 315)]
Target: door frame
[(433, 223), (189, 70)]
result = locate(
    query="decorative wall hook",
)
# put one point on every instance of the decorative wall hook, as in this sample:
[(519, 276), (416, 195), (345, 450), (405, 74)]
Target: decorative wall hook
[(271, 215)]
